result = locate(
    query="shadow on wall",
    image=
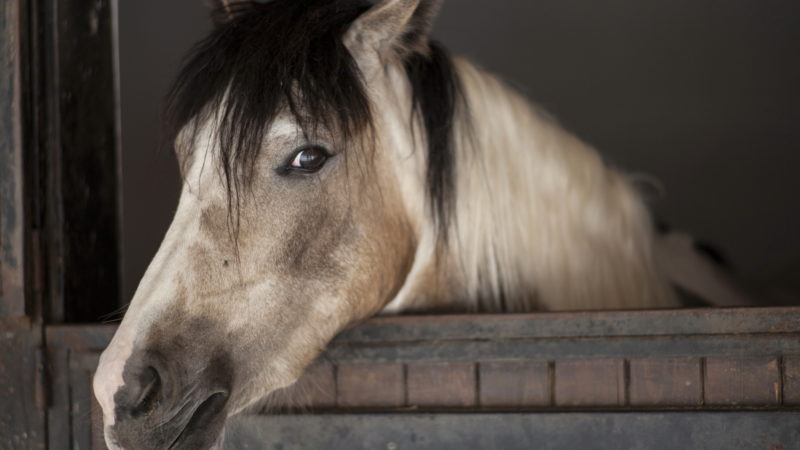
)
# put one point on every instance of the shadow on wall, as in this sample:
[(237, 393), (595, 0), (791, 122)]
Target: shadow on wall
[(701, 95)]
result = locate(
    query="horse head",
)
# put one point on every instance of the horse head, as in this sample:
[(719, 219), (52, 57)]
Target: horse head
[(302, 211)]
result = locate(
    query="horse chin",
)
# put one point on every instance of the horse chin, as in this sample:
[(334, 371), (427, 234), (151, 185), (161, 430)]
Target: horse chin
[(205, 427), (198, 428)]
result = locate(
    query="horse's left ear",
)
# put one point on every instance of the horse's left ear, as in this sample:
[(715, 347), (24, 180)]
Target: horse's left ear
[(393, 27)]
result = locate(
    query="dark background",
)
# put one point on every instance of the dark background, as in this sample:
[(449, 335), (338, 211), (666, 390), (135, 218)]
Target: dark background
[(702, 95)]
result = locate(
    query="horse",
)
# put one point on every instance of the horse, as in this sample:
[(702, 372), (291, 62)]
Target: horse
[(338, 163)]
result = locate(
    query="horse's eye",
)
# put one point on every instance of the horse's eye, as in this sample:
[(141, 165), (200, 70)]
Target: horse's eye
[(309, 159)]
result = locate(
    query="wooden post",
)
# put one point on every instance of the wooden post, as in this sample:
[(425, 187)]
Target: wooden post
[(59, 257), (12, 258)]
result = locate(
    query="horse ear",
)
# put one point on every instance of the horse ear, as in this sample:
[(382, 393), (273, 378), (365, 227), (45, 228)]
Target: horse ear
[(393, 27)]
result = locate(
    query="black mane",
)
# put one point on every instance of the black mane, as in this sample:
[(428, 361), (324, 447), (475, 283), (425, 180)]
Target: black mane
[(289, 54)]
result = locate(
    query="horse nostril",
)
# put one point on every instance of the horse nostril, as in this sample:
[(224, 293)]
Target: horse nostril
[(150, 394)]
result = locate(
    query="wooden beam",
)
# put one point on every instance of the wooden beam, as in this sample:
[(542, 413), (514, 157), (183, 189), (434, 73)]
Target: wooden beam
[(12, 211), (598, 431)]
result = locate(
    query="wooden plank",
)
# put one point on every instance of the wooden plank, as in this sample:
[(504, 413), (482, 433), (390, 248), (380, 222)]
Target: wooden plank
[(84, 429), (514, 383), (705, 321), (370, 385), (380, 384), (442, 385), (12, 210), (562, 348), (59, 412), (742, 381), (791, 380), (665, 382), (73, 352), (607, 431), (511, 348), (593, 382), (783, 323), (21, 421)]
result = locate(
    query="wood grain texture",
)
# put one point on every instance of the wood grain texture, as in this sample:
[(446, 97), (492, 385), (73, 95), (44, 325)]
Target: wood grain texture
[(514, 383), (442, 384), (370, 385), (598, 382), (12, 211), (665, 382), (737, 381), (705, 321), (620, 347)]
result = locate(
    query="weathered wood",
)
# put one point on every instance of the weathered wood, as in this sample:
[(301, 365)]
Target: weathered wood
[(59, 411), (12, 211), (370, 385), (386, 374), (665, 382), (22, 371), (84, 158), (73, 352), (21, 422), (514, 384), (370, 376), (15, 323), (441, 385), (791, 380), (708, 321), (593, 382), (735, 381), (83, 338), (83, 428), (563, 348), (597, 431)]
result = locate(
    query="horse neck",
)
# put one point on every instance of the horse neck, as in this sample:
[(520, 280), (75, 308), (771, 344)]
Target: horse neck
[(540, 222)]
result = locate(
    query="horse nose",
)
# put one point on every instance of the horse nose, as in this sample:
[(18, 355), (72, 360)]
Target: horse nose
[(144, 389), (169, 402)]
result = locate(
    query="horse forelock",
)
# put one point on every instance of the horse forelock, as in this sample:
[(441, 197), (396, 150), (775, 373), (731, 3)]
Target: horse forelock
[(289, 55)]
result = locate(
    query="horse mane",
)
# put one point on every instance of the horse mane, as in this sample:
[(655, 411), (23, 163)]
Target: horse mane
[(281, 55)]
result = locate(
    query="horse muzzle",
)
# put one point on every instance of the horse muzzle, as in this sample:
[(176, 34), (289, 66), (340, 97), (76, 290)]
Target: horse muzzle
[(168, 404)]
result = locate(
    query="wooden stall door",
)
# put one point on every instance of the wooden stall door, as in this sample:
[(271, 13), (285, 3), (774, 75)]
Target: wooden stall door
[(684, 379), (74, 417), (59, 256), (76, 80), (21, 356)]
